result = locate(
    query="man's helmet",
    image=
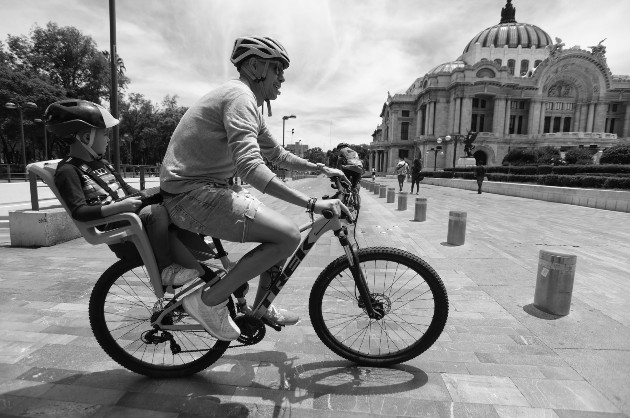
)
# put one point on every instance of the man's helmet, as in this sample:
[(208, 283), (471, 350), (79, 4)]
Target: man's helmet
[(67, 117), (259, 46)]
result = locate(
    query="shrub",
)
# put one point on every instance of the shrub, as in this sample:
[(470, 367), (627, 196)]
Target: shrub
[(532, 156), (619, 154), (582, 156)]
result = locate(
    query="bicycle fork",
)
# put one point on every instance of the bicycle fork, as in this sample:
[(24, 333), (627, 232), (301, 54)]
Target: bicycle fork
[(365, 298)]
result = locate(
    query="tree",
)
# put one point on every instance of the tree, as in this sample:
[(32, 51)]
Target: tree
[(619, 154), (580, 156), (315, 155), (67, 58)]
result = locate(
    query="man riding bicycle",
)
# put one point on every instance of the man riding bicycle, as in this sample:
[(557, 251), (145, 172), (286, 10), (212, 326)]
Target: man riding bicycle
[(222, 135)]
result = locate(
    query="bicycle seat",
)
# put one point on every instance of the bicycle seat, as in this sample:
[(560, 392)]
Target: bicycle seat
[(133, 230)]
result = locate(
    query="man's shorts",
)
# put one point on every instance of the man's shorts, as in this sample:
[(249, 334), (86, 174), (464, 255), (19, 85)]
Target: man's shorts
[(216, 211)]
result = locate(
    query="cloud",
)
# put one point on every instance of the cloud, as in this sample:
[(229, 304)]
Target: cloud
[(345, 55)]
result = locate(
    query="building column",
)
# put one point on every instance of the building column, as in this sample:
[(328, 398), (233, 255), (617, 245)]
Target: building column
[(457, 116), (430, 118), (450, 120), (541, 120), (418, 123), (576, 118), (498, 120), (466, 113), (599, 122), (506, 123), (533, 118), (590, 117), (626, 122)]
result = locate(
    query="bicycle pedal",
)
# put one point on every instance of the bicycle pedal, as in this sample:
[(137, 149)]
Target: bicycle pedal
[(270, 324)]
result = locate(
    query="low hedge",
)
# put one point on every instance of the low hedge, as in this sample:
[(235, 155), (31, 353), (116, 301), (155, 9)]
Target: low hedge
[(610, 169), (581, 181)]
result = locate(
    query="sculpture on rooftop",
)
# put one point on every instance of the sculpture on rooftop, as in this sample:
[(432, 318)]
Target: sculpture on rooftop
[(508, 13), (599, 50)]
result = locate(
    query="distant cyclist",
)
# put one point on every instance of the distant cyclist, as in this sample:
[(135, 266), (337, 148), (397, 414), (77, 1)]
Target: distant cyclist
[(222, 135)]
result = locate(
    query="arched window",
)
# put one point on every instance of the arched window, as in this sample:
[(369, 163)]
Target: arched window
[(498, 61), (524, 67), (511, 65)]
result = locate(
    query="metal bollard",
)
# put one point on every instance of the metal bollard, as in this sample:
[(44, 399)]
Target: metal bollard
[(382, 191), (456, 228), (391, 194), (402, 201), (421, 210), (554, 282), (376, 188)]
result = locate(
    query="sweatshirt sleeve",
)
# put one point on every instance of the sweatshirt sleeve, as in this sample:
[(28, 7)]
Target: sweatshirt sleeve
[(68, 182), (242, 121)]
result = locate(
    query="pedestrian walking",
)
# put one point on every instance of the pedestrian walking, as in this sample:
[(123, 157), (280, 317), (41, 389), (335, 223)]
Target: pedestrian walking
[(480, 173), (416, 175), (401, 170)]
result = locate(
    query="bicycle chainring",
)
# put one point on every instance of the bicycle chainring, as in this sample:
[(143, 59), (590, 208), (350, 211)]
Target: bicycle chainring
[(252, 329)]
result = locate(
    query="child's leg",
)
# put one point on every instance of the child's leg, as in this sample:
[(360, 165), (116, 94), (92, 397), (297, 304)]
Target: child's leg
[(156, 220)]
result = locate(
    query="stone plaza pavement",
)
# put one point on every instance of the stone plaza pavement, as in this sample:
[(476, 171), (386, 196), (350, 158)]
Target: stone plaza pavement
[(498, 356)]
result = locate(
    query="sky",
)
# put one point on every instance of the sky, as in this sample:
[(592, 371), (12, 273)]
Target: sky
[(346, 55)]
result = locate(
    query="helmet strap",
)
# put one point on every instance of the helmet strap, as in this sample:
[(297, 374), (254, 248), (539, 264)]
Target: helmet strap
[(88, 146)]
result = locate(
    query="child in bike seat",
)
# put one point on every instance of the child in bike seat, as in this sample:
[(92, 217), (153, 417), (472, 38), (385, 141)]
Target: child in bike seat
[(92, 189)]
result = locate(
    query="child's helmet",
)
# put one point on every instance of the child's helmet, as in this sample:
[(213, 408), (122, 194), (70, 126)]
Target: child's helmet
[(67, 117), (261, 47)]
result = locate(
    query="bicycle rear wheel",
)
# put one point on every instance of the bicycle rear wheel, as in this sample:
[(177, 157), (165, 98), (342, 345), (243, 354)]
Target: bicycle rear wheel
[(121, 307), (405, 290)]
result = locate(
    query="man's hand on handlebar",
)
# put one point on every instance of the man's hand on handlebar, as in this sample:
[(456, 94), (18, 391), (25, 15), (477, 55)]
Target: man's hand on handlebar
[(333, 205), (334, 172)]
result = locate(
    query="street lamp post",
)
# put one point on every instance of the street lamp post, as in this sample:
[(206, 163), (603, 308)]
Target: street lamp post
[(435, 150), (19, 107), (284, 119), (45, 137)]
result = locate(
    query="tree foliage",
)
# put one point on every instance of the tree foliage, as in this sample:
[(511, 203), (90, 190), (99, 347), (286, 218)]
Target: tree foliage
[(619, 154), (50, 64), (580, 156), (532, 156)]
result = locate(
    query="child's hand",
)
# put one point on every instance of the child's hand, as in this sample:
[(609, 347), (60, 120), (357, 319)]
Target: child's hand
[(131, 204)]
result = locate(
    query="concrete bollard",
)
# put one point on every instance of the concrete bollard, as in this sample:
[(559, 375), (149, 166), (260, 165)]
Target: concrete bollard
[(456, 228), (391, 194), (554, 282), (376, 188), (421, 210), (402, 201), (371, 187), (382, 191)]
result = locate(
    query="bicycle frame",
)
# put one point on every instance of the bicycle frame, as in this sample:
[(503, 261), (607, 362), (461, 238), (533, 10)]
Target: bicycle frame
[(317, 229)]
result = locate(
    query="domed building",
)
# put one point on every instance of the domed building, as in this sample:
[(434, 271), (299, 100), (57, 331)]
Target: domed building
[(513, 86)]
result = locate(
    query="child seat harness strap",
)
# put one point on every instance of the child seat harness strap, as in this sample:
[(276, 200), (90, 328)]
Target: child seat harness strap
[(89, 172)]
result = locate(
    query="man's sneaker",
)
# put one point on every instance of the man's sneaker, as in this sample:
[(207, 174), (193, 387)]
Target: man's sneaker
[(176, 275), (277, 316), (214, 319)]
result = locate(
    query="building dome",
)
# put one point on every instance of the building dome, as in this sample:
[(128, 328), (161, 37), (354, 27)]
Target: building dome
[(447, 67), (511, 33)]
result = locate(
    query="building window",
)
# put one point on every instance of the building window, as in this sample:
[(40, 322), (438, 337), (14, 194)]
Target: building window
[(498, 61), (547, 127), (516, 124), (404, 131), (569, 106), (405, 113), (610, 125), (549, 106), (477, 122), (511, 65), (524, 67), (612, 107), (567, 125), (478, 103), (556, 124)]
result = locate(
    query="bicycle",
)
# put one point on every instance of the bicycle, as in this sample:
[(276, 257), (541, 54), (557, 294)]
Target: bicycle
[(374, 306)]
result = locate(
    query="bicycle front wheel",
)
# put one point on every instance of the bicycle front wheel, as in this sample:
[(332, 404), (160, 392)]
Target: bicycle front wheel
[(121, 307), (406, 292)]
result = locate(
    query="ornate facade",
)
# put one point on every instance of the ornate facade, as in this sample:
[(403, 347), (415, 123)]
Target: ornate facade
[(514, 86)]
